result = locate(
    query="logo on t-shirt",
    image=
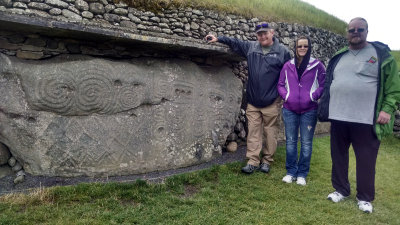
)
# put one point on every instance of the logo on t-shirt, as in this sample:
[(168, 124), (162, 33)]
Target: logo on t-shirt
[(372, 59)]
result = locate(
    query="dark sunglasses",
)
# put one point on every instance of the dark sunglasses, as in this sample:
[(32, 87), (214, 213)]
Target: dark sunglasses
[(263, 25), (353, 30), (302, 46)]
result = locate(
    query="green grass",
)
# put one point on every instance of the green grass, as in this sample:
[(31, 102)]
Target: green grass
[(293, 11), (220, 195)]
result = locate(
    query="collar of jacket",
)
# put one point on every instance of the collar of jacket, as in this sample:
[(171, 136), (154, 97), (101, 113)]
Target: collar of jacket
[(379, 46), (313, 62), (274, 47)]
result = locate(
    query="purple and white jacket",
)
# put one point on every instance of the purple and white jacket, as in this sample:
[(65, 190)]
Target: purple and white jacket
[(301, 96)]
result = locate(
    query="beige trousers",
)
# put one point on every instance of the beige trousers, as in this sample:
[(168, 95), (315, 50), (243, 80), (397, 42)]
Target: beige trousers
[(262, 120)]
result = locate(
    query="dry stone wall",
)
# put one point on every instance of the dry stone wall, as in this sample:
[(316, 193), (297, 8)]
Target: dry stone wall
[(100, 88)]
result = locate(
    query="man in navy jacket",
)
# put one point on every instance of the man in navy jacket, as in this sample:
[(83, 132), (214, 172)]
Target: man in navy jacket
[(265, 59)]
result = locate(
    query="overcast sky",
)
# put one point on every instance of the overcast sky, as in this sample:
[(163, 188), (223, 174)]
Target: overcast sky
[(383, 17)]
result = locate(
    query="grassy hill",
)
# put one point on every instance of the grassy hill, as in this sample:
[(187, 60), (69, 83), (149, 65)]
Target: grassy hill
[(292, 11)]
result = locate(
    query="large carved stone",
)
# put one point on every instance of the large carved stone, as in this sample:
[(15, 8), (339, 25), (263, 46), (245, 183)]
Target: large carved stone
[(76, 115)]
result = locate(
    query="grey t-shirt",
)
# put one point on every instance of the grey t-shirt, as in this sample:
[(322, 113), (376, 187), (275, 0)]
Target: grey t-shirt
[(354, 86), (266, 49)]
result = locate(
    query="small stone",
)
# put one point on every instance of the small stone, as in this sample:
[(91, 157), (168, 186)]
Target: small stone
[(121, 11), (197, 12), (232, 147), (155, 19), (134, 18), (112, 17), (82, 5), (71, 15), (19, 179), (109, 8), (20, 173), (87, 14), (242, 135), (141, 27), (73, 9), (20, 5), (96, 8), (194, 26), (178, 30), (55, 11), (57, 3), (17, 167), (128, 24), (12, 161), (29, 55), (232, 137), (239, 127)]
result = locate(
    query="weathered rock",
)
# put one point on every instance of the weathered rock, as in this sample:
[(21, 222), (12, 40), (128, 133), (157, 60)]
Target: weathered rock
[(12, 161), (75, 115), (17, 167), (87, 14), (5, 171), (232, 147), (19, 179), (96, 8), (82, 5), (71, 15), (242, 135), (6, 3), (20, 5), (239, 127), (55, 11), (232, 137), (4, 154), (57, 3)]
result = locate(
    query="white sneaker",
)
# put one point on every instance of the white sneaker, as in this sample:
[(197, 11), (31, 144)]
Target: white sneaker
[(301, 181), (365, 206), (336, 197), (288, 179)]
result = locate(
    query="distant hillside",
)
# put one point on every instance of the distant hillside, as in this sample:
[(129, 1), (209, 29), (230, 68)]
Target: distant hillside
[(293, 11)]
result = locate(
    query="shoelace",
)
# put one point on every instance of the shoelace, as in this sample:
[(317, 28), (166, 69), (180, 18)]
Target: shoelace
[(365, 203)]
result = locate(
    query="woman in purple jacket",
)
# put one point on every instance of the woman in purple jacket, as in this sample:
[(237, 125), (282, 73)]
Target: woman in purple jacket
[(300, 85)]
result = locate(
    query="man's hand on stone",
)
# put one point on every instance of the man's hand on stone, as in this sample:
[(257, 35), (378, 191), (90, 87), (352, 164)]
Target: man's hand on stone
[(383, 117), (210, 38)]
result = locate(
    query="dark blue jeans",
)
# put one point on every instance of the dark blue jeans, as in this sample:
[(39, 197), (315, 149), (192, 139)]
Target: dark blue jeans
[(306, 122)]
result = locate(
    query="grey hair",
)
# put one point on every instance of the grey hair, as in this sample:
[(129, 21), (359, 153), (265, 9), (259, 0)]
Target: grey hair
[(360, 18)]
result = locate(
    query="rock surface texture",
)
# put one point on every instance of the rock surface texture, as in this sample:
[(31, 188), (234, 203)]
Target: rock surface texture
[(78, 115)]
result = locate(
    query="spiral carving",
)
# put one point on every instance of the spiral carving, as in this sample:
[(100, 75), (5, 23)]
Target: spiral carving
[(57, 93), (95, 93), (128, 98)]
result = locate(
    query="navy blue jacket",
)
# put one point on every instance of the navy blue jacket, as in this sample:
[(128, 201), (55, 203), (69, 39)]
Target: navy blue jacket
[(263, 69)]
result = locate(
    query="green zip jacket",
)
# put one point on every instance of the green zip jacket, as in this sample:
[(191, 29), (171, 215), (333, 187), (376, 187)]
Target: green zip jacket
[(388, 95)]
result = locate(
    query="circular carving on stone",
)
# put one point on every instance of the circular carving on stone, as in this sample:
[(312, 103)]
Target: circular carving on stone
[(57, 93), (128, 98), (95, 92)]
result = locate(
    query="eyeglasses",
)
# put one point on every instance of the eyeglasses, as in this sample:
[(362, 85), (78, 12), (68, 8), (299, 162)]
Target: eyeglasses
[(302, 46), (353, 30), (263, 25)]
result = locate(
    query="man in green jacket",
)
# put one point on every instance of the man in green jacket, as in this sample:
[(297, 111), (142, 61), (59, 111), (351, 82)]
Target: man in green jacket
[(361, 93)]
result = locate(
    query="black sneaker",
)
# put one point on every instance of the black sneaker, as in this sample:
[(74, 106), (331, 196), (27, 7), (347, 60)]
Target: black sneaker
[(249, 169), (264, 167)]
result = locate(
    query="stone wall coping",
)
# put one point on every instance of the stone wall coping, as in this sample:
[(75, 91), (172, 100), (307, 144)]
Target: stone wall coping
[(174, 45)]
